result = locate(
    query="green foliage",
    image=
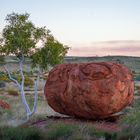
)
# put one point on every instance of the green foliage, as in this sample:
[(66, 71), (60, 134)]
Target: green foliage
[(55, 131), (94, 133), (28, 82), (4, 78), (51, 54), (131, 123), (20, 36), (2, 73), (64, 131), (60, 130), (137, 78), (18, 133)]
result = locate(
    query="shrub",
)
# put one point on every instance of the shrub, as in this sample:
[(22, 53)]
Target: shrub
[(131, 124), (137, 78), (78, 136), (18, 133), (12, 92), (2, 84), (90, 130), (28, 82), (4, 78), (137, 87), (65, 131), (2, 73), (59, 130)]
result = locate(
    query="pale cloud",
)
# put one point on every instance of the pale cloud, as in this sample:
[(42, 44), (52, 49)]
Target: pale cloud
[(128, 48)]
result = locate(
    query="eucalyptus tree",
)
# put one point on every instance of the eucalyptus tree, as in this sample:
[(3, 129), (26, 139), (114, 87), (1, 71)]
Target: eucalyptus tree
[(20, 38)]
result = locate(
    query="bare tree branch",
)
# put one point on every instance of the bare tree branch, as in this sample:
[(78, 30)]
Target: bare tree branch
[(11, 78)]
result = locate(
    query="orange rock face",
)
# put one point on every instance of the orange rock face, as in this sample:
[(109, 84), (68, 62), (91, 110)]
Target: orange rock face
[(89, 90)]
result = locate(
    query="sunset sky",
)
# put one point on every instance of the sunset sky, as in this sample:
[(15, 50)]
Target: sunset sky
[(89, 27)]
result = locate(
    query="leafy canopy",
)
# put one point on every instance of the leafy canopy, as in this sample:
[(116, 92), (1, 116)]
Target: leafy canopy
[(20, 38), (20, 35), (51, 54)]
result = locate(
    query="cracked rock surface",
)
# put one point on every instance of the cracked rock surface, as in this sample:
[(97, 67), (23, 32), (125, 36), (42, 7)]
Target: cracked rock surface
[(89, 90)]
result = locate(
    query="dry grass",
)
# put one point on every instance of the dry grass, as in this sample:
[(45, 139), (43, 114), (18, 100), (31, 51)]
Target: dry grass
[(12, 92)]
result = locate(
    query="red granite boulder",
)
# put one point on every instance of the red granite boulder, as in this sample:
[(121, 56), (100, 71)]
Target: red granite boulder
[(89, 90)]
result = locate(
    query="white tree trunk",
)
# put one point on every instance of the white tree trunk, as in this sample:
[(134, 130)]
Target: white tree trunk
[(29, 113), (35, 97)]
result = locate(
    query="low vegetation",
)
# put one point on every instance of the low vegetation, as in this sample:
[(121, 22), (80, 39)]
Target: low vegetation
[(67, 131), (63, 130), (2, 84), (12, 92), (60, 130), (20, 133), (28, 81), (4, 78), (137, 78), (131, 124), (54, 131)]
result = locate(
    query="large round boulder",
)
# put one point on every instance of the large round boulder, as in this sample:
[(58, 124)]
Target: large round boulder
[(89, 90)]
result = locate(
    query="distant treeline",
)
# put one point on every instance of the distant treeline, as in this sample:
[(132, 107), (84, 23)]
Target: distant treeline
[(131, 62)]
